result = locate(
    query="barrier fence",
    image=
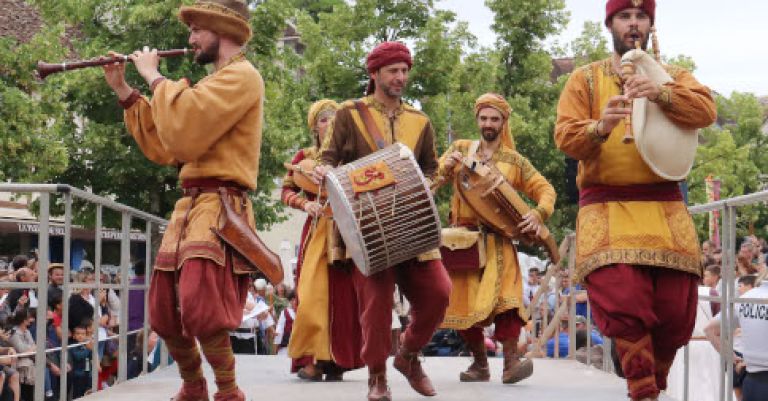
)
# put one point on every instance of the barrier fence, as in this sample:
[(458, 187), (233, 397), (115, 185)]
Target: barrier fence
[(45, 192)]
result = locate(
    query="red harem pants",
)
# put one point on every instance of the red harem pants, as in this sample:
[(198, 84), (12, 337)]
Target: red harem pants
[(211, 298), (427, 287), (650, 313), (507, 327)]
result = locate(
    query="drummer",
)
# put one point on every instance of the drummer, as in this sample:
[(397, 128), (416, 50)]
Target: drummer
[(493, 294), (424, 283), (637, 249)]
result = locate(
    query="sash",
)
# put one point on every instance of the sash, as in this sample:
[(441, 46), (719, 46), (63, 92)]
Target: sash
[(668, 191), (370, 125)]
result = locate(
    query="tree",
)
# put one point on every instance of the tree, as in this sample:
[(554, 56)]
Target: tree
[(591, 45), (31, 115)]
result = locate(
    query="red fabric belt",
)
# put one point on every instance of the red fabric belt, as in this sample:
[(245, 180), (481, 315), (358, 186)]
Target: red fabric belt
[(662, 192), (195, 186)]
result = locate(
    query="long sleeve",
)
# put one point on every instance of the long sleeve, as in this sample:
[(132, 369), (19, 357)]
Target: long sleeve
[(332, 154), (427, 157), (141, 124), (290, 192), (210, 109), (687, 102), (443, 175), (574, 128), (536, 187)]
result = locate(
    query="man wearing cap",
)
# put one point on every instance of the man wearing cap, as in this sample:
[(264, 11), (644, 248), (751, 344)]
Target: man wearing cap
[(493, 294), (212, 132), (424, 283), (636, 244)]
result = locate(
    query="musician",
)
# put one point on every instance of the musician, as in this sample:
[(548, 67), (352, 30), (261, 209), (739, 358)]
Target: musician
[(424, 283), (326, 336), (636, 244), (212, 132), (493, 294)]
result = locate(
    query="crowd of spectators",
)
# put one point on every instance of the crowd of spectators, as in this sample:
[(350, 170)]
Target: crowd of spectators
[(90, 313), (267, 319)]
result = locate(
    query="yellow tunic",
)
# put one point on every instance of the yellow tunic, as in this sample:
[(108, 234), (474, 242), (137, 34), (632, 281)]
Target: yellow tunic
[(643, 233), (212, 129), (478, 296)]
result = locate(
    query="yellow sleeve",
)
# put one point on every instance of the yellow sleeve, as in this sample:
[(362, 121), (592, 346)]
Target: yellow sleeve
[(574, 128), (141, 125), (537, 188), (444, 175), (190, 119), (687, 102)]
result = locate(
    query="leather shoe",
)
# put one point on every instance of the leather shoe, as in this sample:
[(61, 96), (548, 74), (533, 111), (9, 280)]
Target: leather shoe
[(409, 365)]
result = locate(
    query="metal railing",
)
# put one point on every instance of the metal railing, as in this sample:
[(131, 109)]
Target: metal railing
[(45, 192), (728, 208)]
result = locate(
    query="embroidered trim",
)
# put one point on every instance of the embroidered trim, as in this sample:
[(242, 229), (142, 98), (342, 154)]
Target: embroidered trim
[(594, 135), (205, 5), (130, 100), (665, 97), (502, 304), (646, 257)]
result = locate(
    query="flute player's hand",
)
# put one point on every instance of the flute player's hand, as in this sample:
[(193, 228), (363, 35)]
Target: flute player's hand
[(115, 77), (147, 62)]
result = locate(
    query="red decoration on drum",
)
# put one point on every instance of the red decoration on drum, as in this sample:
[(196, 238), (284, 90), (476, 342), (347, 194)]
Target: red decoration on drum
[(371, 178)]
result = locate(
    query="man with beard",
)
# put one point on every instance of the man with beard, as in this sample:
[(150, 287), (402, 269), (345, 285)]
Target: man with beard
[(493, 294), (636, 244), (212, 132), (424, 283)]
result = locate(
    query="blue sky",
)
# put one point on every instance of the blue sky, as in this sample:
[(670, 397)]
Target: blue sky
[(727, 40)]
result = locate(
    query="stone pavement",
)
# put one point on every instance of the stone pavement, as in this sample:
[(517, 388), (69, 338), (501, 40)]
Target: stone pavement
[(267, 378)]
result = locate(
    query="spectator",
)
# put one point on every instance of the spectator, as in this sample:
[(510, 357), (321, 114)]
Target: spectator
[(563, 338), (22, 342), (754, 324), (18, 262), (285, 323), (713, 333), (745, 258), (136, 298), (712, 280), (55, 280), (80, 306), (22, 298), (80, 358), (580, 296), (53, 340)]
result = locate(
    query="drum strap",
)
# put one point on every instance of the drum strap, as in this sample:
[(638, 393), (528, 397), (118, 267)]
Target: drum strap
[(370, 125)]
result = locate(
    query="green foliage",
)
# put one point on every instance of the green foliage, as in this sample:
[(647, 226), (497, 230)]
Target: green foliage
[(591, 45), (31, 117)]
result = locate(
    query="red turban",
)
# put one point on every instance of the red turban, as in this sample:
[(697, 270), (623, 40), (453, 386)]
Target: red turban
[(388, 53), (614, 6)]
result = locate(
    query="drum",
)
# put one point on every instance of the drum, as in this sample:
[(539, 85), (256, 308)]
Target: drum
[(384, 209)]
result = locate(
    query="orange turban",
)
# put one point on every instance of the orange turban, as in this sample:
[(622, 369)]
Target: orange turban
[(498, 102)]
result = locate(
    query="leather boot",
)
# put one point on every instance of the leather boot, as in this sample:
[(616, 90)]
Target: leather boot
[(515, 369), (409, 365), (478, 371), (192, 391), (377, 385)]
